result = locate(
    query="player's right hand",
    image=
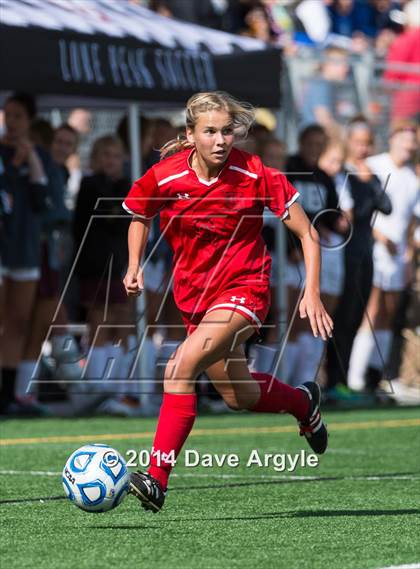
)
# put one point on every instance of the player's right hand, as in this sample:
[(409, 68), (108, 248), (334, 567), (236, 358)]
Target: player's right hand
[(133, 281)]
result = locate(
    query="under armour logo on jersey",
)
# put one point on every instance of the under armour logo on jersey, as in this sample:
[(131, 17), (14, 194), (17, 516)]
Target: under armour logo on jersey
[(183, 196), (241, 299)]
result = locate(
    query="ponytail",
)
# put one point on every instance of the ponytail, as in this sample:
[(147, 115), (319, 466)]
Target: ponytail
[(175, 145)]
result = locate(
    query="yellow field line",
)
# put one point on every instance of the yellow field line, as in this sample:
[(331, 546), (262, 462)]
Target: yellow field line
[(388, 424)]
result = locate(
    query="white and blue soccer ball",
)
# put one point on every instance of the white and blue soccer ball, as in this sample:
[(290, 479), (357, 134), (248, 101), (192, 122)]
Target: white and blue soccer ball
[(95, 478)]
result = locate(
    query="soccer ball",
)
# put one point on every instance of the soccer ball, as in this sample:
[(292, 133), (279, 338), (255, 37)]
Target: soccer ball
[(95, 478)]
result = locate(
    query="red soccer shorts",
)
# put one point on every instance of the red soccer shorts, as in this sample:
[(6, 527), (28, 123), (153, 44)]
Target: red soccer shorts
[(252, 302)]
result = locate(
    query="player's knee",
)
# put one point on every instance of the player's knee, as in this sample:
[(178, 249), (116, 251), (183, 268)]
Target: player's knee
[(180, 370)]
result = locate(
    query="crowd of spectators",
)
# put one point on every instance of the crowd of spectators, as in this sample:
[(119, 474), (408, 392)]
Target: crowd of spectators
[(389, 29), (351, 23)]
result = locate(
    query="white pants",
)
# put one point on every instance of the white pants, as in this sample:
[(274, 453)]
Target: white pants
[(388, 270)]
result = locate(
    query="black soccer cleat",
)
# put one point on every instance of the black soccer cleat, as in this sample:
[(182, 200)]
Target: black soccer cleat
[(313, 429), (148, 490)]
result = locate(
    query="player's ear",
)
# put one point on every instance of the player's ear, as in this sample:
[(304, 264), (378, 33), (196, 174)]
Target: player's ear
[(190, 135)]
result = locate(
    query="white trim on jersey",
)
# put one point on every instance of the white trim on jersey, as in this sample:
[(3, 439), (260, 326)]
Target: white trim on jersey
[(288, 204), (128, 210), (246, 172), (208, 182), (237, 307), (173, 177)]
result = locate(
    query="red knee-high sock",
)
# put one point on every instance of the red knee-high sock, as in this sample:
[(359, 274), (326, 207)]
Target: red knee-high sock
[(176, 418), (278, 397)]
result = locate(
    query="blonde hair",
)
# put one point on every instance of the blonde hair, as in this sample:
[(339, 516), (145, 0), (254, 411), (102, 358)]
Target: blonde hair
[(100, 145), (241, 113)]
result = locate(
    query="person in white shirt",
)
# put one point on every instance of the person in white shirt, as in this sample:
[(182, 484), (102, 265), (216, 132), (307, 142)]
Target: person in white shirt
[(390, 255)]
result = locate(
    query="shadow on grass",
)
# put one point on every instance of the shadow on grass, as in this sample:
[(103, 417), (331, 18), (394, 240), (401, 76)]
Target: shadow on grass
[(263, 516), (312, 479), (319, 514)]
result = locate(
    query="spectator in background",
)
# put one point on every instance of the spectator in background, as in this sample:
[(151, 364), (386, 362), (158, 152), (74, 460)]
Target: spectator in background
[(406, 50), (148, 154), (312, 21), (46, 300), (248, 144), (63, 146), (358, 22), (161, 7), (387, 15), (81, 120), (281, 20), (236, 13), (319, 200), (42, 133), (101, 259), (321, 101), (25, 184), (353, 19), (258, 24), (208, 13), (273, 154), (260, 133), (390, 253), (362, 196), (55, 257), (331, 162), (163, 131)]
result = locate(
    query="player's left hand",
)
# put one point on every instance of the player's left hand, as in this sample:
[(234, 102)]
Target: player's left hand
[(321, 322)]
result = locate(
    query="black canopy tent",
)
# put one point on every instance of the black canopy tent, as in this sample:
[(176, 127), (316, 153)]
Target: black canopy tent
[(105, 49)]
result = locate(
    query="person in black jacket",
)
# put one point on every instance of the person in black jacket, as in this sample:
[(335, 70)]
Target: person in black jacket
[(367, 196), (49, 318), (25, 193), (319, 200), (99, 232)]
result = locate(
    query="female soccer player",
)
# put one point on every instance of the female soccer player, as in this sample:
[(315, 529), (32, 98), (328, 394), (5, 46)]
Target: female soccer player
[(211, 198)]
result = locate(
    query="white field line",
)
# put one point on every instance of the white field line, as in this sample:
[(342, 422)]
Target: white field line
[(30, 472), (225, 476), (409, 566)]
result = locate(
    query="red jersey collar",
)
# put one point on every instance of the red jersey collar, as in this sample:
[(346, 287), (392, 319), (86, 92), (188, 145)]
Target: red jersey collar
[(201, 180)]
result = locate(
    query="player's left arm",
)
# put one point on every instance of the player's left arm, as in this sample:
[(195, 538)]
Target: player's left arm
[(310, 305)]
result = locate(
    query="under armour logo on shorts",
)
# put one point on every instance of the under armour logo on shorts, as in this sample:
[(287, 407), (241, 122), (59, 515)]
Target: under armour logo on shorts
[(241, 299), (183, 196)]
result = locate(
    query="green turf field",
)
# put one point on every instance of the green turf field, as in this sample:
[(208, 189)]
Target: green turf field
[(359, 509)]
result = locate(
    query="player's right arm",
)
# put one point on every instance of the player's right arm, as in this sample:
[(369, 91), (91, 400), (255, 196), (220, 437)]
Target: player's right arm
[(138, 233), (143, 202)]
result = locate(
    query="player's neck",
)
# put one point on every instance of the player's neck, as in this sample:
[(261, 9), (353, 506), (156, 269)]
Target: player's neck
[(204, 170)]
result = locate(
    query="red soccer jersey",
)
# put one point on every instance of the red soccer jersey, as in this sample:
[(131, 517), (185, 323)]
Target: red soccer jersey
[(213, 227)]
